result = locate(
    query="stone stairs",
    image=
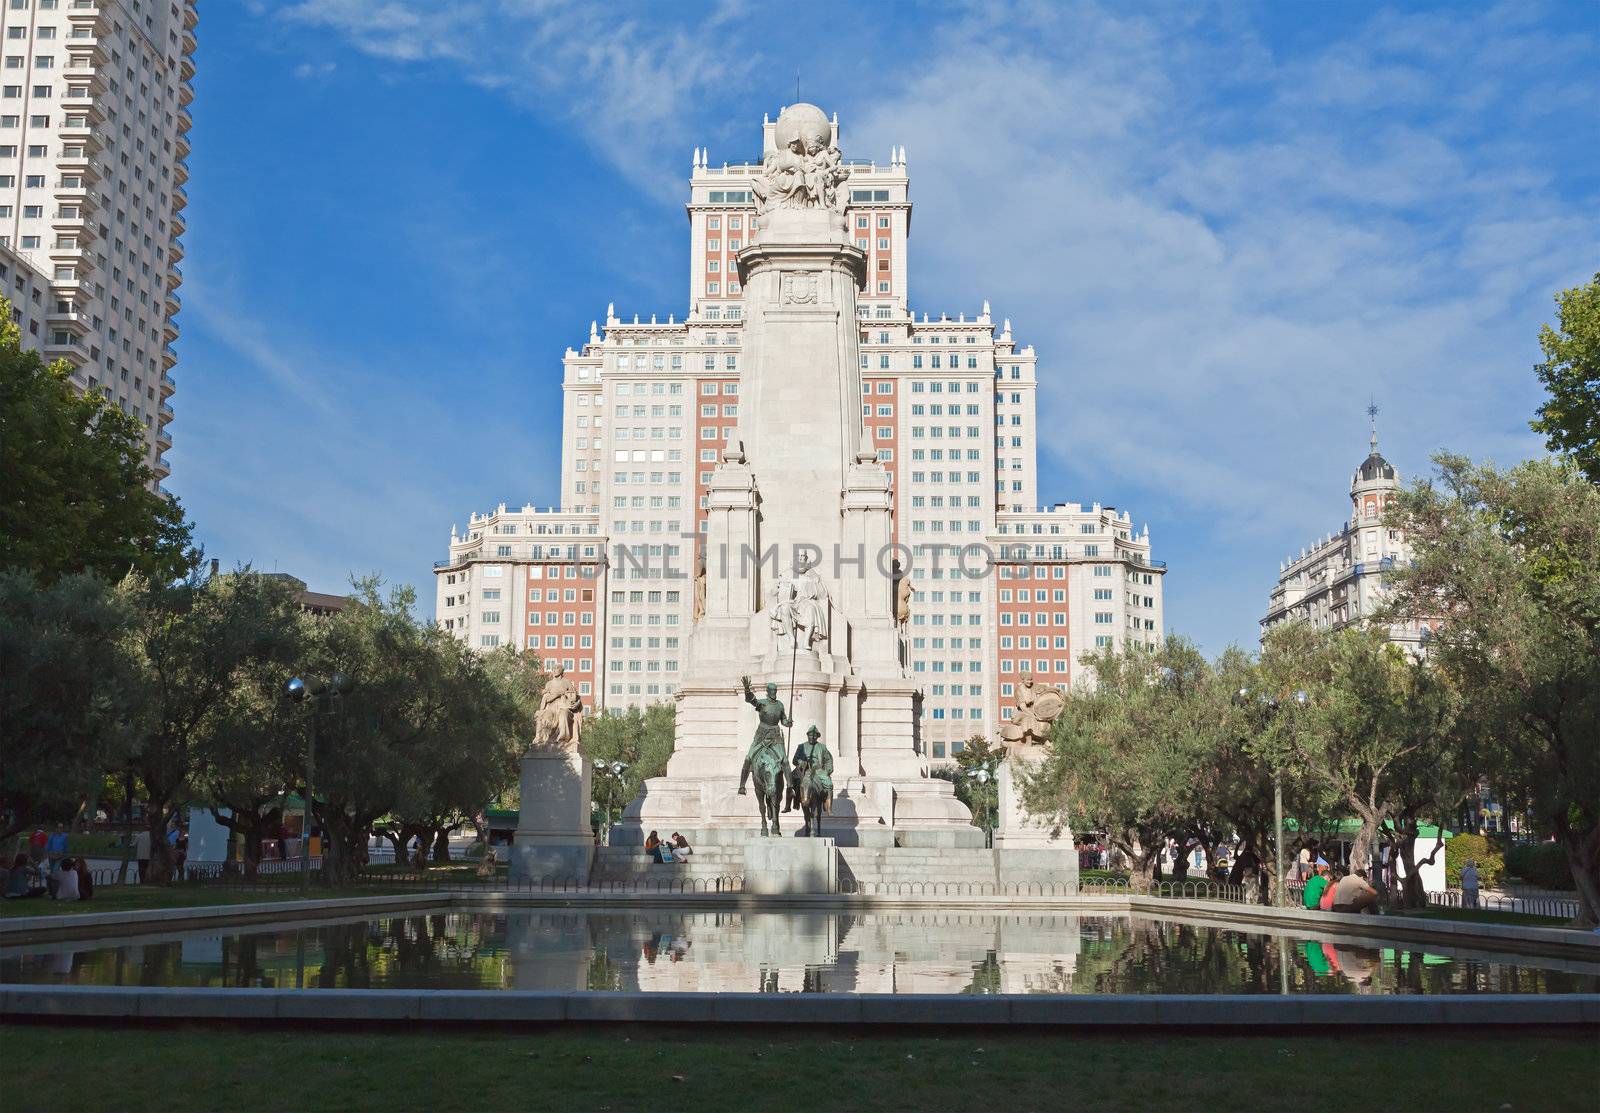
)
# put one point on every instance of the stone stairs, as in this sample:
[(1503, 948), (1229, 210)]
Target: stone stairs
[(896, 866), (626, 865)]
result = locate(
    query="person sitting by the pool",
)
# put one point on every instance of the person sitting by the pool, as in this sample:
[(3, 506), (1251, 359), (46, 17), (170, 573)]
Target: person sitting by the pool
[(23, 881), (680, 848), (1315, 886), (85, 880), (1353, 894), (66, 880)]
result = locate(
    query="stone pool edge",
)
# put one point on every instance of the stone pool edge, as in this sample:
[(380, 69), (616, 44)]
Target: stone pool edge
[(499, 1006)]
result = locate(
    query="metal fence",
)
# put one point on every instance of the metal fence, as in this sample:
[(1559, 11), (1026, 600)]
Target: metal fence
[(1564, 908)]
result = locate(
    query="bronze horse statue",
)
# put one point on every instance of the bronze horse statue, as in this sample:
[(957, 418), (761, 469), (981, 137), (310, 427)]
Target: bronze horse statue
[(766, 762), (813, 781)]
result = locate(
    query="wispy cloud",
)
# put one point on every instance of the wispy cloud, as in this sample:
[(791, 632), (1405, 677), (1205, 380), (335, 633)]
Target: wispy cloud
[(1221, 240), (628, 76)]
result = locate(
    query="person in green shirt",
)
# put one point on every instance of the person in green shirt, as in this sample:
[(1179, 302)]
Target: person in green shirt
[(1315, 887)]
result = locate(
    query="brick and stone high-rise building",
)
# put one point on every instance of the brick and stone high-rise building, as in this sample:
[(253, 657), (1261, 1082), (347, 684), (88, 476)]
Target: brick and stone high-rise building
[(948, 401), (94, 123)]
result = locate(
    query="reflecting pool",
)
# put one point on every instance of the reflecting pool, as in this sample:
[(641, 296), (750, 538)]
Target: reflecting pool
[(660, 950)]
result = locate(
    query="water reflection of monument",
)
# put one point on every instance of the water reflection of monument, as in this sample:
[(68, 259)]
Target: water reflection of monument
[(793, 952), (818, 617)]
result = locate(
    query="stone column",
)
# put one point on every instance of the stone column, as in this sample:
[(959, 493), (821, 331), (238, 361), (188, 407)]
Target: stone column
[(1026, 851), (800, 398), (553, 839)]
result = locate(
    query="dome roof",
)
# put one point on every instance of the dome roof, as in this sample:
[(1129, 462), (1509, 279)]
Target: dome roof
[(1375, 467)]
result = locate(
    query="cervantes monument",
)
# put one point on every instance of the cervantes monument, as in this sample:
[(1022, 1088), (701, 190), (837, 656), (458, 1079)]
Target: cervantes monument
[(799, 572)]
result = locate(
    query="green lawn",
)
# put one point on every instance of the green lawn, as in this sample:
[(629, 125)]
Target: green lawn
[(127, 898), (709, 1069), (1485, 916)]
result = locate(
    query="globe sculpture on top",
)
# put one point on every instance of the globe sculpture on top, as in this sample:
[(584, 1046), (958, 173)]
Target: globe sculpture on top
[(804, 169)]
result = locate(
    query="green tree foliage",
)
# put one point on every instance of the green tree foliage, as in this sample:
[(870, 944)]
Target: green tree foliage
[(77, 496), (1383, 734), (1473, 848), (981, 794), (65, 694), (1570, 419), (641, 740), (1509, 562), (1543, 864), (1131, 757), (255, 747), (193, 644), (430, 731)]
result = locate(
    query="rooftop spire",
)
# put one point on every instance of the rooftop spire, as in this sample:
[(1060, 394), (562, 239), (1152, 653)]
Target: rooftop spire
[(1372, 415)]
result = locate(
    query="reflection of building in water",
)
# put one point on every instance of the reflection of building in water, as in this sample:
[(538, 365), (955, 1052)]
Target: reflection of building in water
[(954, 953), (550, 950), (723, 952), (1038, 954)]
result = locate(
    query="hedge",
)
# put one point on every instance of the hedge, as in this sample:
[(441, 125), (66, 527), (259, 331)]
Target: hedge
[(1542, 863), (1478, 848)]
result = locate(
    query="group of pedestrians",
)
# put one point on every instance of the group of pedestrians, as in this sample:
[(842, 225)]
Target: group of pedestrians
[(1350, 893)]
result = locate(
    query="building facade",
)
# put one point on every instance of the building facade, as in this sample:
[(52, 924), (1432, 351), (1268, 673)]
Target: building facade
[(94, 123), (604, 583), (1341, 579)]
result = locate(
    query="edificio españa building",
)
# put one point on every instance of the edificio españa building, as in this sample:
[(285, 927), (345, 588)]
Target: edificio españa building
[(94, 123), (605, 583)]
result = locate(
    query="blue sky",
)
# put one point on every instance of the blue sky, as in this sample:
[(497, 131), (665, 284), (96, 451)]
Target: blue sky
[(1223, 227)]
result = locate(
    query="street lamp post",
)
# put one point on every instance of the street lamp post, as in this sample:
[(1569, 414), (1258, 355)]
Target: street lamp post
[(320, 693), (614, 770), (987, 773), (1271, 705)]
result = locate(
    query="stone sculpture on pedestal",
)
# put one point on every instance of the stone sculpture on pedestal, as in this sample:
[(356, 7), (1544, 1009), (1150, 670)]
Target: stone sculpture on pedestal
[(553, 839), (797, 606), (559, 720), (798, 484), (1030, 850), (1038, 706)]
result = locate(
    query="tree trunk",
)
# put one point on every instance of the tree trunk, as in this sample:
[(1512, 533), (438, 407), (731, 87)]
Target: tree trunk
[(1361, 848), (1144, 861), (1412, 893), (1583, 859), (1180, 859), (441, 844), (127, 829), (161, 862), (346, 850)]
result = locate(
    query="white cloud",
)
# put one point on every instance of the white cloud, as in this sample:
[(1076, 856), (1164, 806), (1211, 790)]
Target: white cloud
[(308, 70), (1221, 247)]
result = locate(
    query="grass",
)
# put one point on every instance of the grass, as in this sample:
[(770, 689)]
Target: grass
[(659, 1067), (1487, 916), (130, 898)]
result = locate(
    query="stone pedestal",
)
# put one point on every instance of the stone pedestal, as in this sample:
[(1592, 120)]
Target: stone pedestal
[(1028, 850), (553, 839), (790, 865)]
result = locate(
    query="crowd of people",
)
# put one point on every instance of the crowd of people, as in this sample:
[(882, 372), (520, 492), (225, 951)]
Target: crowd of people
[(41, 867)]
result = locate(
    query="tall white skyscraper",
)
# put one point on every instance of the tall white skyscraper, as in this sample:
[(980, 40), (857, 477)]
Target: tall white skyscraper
[(948, 402), (94, 122)]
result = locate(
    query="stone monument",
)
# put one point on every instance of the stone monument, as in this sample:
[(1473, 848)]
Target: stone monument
[(1028, 849), (553, 839), (799, 588)]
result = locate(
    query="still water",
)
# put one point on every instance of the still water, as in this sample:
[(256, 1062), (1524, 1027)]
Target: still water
[(785, 952)]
